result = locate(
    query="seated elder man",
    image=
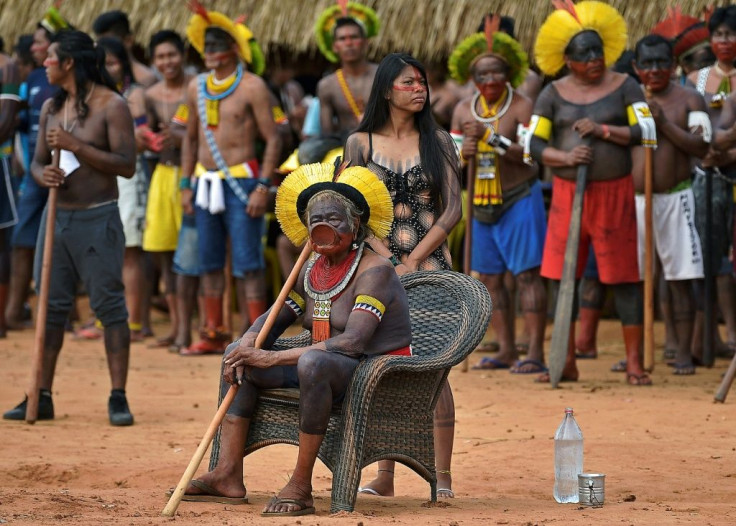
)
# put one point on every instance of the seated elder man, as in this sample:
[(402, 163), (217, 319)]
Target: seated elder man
[(353, 304)]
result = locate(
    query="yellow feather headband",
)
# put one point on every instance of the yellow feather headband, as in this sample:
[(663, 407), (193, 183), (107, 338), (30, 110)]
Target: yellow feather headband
[(358, 184), (202, 20), (568, 20)]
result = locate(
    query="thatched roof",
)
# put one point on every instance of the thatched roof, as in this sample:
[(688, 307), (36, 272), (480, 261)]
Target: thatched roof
[(429, 29)]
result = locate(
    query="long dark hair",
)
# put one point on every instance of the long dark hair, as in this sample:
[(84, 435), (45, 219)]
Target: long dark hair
[(115, 47), (433, 154), (89, 66)]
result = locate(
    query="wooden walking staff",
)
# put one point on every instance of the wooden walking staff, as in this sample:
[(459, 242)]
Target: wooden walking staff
[(566, 294), (186, 478), (648, 262), (726, 382), (43, 302), (708, 274), (467, 247)]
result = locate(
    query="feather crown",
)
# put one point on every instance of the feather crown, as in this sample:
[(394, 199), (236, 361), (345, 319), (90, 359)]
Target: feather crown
[(202, 20), (569, 19), (358, 184), (491, 42)]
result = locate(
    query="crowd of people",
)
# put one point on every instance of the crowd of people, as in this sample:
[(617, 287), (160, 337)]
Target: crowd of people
[(166, 180)]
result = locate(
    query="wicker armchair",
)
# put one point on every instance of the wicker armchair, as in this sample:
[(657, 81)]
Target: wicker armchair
[(387, 410)]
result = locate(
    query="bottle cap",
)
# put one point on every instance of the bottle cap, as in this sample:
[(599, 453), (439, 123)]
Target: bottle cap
[(568, 410)]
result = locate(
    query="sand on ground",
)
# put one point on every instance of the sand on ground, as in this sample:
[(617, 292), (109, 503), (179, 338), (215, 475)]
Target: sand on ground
[(668, 452)]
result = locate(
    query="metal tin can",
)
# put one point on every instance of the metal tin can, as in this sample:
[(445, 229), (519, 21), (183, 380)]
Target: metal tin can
[(591, 489)]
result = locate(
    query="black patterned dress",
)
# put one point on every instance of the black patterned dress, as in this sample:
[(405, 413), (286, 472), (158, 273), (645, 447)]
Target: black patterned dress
[(415, 211)]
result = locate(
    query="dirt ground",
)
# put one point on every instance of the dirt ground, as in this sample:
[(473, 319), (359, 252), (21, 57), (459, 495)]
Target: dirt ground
[(668, 452)]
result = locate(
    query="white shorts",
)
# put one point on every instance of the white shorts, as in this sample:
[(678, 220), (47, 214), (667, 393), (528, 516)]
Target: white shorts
[(132, 204), (675, 237)]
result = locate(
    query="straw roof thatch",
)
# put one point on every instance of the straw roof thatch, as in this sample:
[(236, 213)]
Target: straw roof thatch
[(429, 29)]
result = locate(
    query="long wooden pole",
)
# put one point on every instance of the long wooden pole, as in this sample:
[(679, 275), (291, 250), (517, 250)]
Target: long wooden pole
[(726, 382), (709, 287), (467, 246), (648, 263), (186, 478), (43, 302)]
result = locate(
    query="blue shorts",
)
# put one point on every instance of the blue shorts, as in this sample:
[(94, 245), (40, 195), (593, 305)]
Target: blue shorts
[(246, 234), (30, 207), (591, 266), (515, 242), (186, 257)]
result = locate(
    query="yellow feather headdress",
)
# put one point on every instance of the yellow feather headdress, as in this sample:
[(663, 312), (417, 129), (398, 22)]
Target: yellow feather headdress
[(568, 20), (202, 20), (358, 184)]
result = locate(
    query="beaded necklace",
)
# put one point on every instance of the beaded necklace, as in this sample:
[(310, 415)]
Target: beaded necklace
[(337, 278), (487, 186), (218, 90)]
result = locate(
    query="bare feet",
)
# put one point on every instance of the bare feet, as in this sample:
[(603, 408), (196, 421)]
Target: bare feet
[(569, 374)]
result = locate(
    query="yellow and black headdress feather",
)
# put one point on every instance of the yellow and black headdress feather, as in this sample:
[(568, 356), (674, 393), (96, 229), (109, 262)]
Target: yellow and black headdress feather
[(491, 42), (202, 20), (358, 184), (569, 19), (323, 29), (257, 62)]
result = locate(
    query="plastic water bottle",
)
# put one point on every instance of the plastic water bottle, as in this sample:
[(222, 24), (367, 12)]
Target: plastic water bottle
[(568, 458)]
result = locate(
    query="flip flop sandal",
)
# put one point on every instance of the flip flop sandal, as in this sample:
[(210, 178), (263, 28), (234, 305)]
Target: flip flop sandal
[(539, 367), (369, 491), (619, 367), (445, 493), (209, 494), (642, 380), (491, 364), (304, 509)]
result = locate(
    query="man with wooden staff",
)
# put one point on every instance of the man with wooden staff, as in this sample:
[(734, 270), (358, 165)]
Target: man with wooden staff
[(678, 112), (229, 108), (592, 103), (90, 124), (354, 305), (508, 211)]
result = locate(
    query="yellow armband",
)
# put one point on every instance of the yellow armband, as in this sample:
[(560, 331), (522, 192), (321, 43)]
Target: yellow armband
[(370, 304)]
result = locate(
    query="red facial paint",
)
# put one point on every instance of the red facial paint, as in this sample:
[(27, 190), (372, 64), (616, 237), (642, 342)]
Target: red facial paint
[(655, 79), (416, 86), (725, 51)]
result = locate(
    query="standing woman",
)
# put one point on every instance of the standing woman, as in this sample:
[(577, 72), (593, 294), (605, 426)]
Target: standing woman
[(400, 142), (132, 191)]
